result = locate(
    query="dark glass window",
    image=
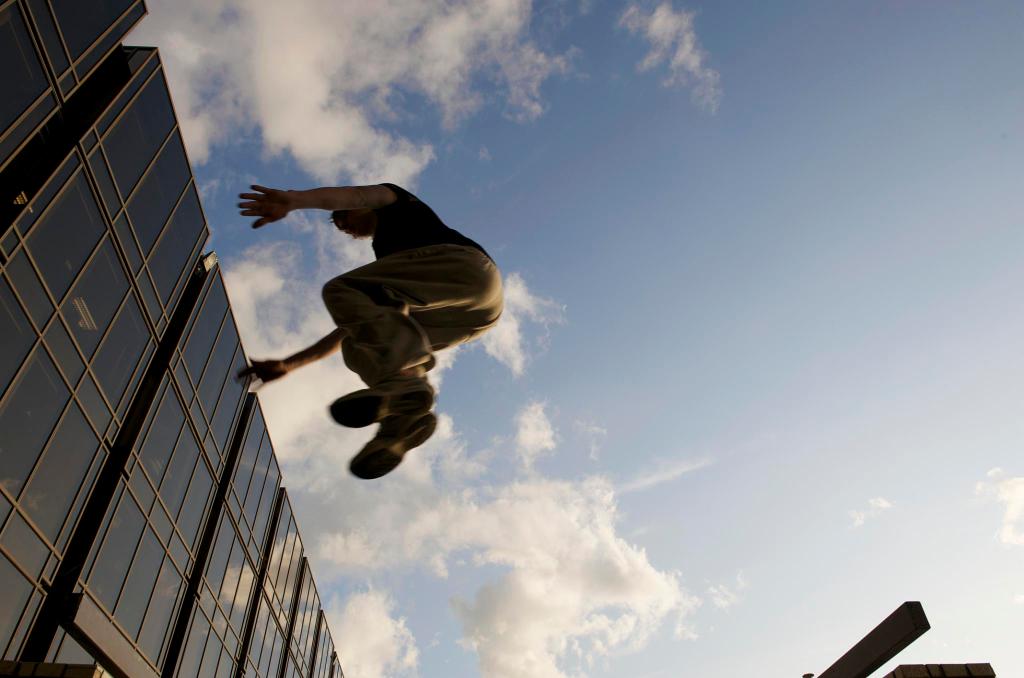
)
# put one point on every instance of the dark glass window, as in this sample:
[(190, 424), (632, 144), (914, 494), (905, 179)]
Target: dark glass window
[(52, 490), (152, 203), (31, 291), (163, 434), (135, 139), (92, 303), (194, 508), (204, 332), (84, 22), (131, 607), (17, 592), (172, 489), (115, 363), (217, 368), (24, 79), (111, 566), (44, 22), (63, 239), (161, 607), (171, 255), (59, 341), (27, 418), (24, 545), (16, 335)]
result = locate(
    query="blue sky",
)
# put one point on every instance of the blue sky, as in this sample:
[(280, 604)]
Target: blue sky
[(760, 380)]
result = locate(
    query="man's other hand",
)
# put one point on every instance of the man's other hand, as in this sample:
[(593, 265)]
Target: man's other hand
[(269, 204), (264, 370)]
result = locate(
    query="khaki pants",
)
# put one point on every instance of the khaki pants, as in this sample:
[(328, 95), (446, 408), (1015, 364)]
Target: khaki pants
[(401, 308)]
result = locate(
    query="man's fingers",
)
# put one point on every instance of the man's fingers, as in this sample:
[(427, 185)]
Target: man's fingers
[(262, 189), (260, 222), (252, 196), (251, 213), (245, 372), (250, 204)]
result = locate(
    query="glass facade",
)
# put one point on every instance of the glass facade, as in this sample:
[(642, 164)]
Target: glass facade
[(137, 477)]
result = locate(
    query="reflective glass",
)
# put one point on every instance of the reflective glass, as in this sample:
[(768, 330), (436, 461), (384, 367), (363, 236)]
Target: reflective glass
[(116, 360), (99, 170), (217, 368), (89, 395), (16, 335), (17, 591), (44, 22), (162, 436), (171, 255), (108, 572), (131, 606), (172, 490), (188, 665), (194, 508), (63, 349), (62, 240), (84, 22), (161, 607), (52, 490), (24, 79), (135, 139), (24, 545), (204, 332), (92, 303), (26, 282), (153, 201), (27, 417)]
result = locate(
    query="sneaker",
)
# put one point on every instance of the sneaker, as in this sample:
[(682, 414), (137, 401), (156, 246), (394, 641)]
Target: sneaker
[(397, 435), (370, 405)]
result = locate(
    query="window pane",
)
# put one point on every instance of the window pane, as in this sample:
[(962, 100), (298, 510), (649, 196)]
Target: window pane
[(161, 607), (117, 551), (217, 369), (53, 488), (195, 505), (163, 435), (24, 80), (152, 203), (27, 417), (137, 588), (83, 22), (176, 480), (28, 287), (16, 335), (92, 303), (115, 363), (133, 142), (171, 256), (63, 349), (205, 330), (16, 593), (63, 239)]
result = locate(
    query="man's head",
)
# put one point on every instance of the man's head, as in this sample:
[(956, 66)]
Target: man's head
[(360, 223)]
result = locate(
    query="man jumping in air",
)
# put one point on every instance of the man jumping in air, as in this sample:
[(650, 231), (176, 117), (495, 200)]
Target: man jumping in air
[(430, 288)]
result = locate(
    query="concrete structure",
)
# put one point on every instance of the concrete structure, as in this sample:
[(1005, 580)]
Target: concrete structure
[(143, 525)]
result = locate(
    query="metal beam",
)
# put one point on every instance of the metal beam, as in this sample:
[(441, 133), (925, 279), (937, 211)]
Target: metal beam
[(905, 625)]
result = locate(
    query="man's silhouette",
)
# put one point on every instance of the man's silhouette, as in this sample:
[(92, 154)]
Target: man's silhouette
[(430, 288)]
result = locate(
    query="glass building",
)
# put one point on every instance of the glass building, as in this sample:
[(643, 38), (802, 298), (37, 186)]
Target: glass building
[(143, 525)]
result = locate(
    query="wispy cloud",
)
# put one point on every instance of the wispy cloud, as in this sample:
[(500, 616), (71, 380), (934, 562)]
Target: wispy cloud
[(724, 596), (323, 80), (1010, 492), (673, 42), (593, 434), (876, 507), (506, 342), (663, 472), (534, 433)]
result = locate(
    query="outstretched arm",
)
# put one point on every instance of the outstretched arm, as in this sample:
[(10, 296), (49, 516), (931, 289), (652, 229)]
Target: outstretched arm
[(269, 370), (271, 204)]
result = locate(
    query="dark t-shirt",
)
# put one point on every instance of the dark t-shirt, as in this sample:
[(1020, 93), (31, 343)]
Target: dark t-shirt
[(408, 223)]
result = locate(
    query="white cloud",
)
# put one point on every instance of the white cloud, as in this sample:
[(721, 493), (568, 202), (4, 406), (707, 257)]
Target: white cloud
[(318, 79), (673, 41), (1018, 599), (1010, 492), (534, 433), (724, 596), (371, 642), (505, 342), (664, 472), (594, 435), (876, 507)]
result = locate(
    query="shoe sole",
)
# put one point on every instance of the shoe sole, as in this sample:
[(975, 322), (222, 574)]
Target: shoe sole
[(362, 408), (374, 462)]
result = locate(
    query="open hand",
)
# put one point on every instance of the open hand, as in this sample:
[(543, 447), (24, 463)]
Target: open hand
[(269, 204), (264, 370)]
